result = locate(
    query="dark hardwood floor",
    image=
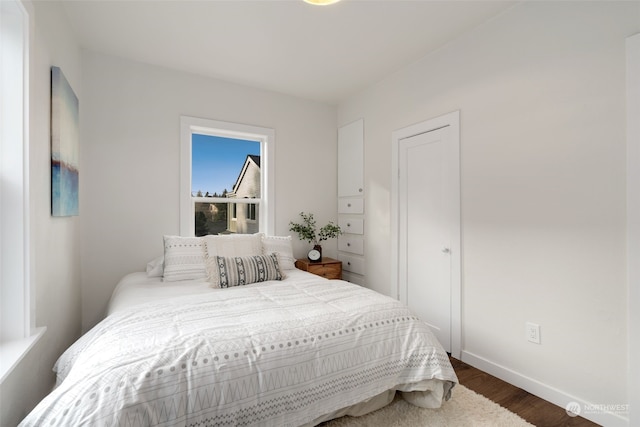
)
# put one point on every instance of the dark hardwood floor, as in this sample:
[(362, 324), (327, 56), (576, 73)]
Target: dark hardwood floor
[(533, 409)]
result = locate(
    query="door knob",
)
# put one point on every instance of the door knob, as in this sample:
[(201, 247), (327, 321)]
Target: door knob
[(445, 250)]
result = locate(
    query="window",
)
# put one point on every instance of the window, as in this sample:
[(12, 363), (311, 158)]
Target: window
[(251, 215), (226, 178), (13, 271), (16, 315)]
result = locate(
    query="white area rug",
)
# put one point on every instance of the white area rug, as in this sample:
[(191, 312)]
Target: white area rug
[(465, 408)]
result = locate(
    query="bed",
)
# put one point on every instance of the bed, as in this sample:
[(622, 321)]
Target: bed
[(292, 351)]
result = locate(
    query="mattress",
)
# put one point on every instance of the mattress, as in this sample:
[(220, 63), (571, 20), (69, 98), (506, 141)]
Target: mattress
[(279, 353)]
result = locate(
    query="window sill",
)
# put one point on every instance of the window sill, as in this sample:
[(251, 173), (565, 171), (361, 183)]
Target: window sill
[(12, 352)]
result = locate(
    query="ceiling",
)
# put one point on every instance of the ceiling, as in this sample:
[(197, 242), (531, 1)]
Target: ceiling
[(321, 53)]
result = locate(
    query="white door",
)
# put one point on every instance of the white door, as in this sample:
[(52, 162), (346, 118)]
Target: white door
[(427, 192)]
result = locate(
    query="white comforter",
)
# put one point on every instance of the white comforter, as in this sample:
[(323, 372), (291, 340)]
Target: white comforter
[(271, 354)]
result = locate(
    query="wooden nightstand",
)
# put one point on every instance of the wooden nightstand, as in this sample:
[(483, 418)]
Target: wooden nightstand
[(328, 268)]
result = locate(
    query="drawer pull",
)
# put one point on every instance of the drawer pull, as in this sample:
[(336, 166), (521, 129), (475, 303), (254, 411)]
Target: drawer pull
[(348, 225), (348, 205), (348, 244), (360, 190), (348, 262)]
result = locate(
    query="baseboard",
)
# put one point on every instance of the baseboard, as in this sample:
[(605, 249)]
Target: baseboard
[(590, 411)]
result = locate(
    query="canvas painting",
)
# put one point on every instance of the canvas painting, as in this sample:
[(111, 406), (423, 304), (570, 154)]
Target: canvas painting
[(64, 146)]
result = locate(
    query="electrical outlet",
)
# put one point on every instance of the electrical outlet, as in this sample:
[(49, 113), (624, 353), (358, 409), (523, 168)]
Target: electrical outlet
[(533, 332)]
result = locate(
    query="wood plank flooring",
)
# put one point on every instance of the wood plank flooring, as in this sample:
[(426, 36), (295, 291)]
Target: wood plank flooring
[(533, 409)]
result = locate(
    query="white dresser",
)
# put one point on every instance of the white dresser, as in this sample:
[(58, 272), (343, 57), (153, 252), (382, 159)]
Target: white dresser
[(351, 201)]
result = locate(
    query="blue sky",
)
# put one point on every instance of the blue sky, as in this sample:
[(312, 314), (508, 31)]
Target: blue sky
[(216, 162)]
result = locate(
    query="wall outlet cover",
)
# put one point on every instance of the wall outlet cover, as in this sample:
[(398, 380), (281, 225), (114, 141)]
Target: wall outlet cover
[(533, 332)]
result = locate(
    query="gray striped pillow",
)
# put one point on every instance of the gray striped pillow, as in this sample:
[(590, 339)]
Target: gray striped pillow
[(240, 271)]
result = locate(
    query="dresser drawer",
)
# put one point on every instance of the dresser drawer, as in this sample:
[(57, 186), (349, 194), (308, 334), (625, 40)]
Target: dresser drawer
[(328, 268), (353, 264), (328, 271), (351, 205), (351, 243), (354, 278), (351, 225)]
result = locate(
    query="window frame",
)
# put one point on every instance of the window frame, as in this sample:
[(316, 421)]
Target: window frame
[(18, 333), (266, 137)]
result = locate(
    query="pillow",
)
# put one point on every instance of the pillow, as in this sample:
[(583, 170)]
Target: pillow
[(240, 271), (155, 268), (233, 245), (281, 245), (184, 258)]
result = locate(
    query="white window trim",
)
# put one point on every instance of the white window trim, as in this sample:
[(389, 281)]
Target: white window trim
[(17, 304), (266, 137)]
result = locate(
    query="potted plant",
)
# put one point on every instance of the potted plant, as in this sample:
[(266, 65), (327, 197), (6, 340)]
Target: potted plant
[(307, 231)]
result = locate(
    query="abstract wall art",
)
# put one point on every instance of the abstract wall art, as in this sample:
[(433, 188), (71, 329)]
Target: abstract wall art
[(64, 146)]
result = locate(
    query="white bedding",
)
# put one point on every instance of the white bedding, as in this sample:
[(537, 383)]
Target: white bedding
[(286, 353), (137, 288)]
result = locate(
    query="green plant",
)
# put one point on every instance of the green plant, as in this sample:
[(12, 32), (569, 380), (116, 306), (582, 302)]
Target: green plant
[(308, 232)]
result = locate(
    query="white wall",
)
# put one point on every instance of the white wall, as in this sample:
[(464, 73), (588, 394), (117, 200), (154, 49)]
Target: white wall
[(130, 128), (55, 244), (541, 90)]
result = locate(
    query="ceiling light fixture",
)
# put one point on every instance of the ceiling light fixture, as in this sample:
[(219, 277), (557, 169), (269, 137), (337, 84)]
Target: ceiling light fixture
[(321, 2)]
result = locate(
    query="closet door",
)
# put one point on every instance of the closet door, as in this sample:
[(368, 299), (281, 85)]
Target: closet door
[(350, 159), (428, 212), (425, 224)]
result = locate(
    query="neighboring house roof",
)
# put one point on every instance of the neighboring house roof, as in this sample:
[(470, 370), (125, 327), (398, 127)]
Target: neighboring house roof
[(247, 162), (256, 159)]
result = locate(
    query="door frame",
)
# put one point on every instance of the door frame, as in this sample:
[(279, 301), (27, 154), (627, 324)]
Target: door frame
[(633, 221), (451, 120)]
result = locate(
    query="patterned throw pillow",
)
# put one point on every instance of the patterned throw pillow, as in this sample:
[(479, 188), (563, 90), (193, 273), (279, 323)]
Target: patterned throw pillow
[(183, 258), (240, 271)]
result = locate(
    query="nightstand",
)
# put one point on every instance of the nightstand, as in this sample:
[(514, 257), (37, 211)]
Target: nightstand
[(328, 268)]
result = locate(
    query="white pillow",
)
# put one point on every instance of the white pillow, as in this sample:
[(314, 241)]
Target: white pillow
[(184, 258), (232, 245), (155, 268), (281, 245)]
